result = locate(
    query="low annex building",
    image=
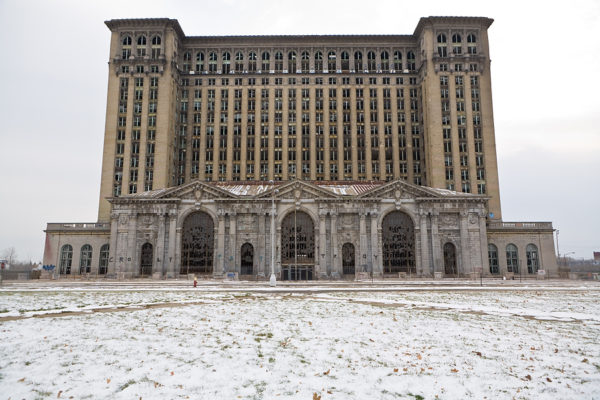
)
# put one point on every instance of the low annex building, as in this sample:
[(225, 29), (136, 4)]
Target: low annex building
[(322, 157)]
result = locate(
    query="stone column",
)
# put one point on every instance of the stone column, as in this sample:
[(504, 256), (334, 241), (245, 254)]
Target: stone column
[(335, 253), (465, 266), (377, 271), (232, 252), (362, 259), (435, 243), (171, 273), (483, 242), (220, 265), (178, 238), (132, 250), (260, 247), (159, 265), (112, 255), (321, 264), (426, 268)]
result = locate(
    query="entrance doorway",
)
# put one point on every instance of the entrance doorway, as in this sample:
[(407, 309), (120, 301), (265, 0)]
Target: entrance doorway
[(297, 247), (449, 259), (197, 244), (146, 260), (348, 259), (247, 267)]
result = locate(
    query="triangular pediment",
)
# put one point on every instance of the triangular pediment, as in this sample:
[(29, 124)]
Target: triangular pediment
[(196, 190), (298, 190), (400, 189)]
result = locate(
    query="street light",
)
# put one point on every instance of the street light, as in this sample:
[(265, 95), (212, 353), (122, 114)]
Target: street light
[(565, 257), (272, 280)]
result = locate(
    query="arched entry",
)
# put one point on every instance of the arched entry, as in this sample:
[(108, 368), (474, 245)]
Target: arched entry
[(449, 259), (247, 267), (348, 259), (398, 243), (297, 247), (146, 259), (197, 244)]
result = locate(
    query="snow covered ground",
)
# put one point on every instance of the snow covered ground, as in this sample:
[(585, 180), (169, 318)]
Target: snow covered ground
[(245, 342)]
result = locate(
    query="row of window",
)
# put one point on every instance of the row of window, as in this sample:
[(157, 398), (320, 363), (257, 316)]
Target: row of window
[(513, 262), (85, 259), (292, 62)]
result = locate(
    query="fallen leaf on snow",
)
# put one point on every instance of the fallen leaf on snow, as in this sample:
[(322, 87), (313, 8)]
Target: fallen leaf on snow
[(454, 370), (59, 393), (316, 396), (21, 380), (548, 379), (395, 369)]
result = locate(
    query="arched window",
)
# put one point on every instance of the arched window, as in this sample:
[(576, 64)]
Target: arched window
[(252, 61), (239, 62), (385, 61), (532, 259), (472, 43), (212, 62), (345, 61), (358, 64), (411, 61), (371, 61), (278, 61), (397, 60), (493, 259), (512, 259), (398, 243), (266, 64), (126, 50), (292, 61), (442, 45), (155, 47), (187, 61), (226, 62), (141, 46), (85, 259), (199, 61), (456, 44), (331, 62), (103, 264), (305, 61), (66, 258), (318, 61)]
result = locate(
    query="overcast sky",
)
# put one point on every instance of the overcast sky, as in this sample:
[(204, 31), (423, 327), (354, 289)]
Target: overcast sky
[(53, 78)]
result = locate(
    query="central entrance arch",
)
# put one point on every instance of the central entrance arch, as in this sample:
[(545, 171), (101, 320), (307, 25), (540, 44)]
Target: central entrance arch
[(197, 244), (247, 265), (450, 259), (398, 243), (146, 260), (297, 247), (348, 259)]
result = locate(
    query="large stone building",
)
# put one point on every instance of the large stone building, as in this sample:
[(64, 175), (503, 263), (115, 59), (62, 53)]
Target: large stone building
[(317, 156)]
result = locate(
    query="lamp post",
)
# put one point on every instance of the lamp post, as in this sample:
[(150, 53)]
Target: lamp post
[(272, 280), (565, 257)]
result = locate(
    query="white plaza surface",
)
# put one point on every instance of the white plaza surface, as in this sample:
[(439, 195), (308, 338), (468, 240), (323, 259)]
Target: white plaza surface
[(248, 341)]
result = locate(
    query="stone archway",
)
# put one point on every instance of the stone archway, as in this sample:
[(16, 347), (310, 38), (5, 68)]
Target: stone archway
[(247, 259), (297, 247), (450, 259), (146, 259), (398, 243), (197, 244), (348, 259)]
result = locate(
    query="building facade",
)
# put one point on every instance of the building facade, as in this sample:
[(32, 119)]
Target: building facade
[(387, 138)]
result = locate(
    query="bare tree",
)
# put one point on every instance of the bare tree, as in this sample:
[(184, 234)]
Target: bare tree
[(10, 255)]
